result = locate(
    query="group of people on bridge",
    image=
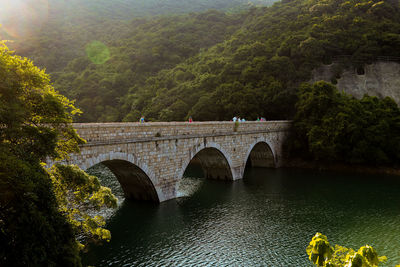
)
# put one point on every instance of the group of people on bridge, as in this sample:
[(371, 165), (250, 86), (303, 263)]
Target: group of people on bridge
[(234, 119), (238, 119)]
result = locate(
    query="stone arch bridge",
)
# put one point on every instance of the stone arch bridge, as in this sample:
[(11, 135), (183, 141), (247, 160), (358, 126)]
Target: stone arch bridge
[(149, 159)]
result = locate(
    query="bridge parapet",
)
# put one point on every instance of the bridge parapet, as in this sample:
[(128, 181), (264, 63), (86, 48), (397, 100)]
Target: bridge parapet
[(108, 132)]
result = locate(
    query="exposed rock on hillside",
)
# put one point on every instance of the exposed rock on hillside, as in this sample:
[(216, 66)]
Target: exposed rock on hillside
[(379, 79)]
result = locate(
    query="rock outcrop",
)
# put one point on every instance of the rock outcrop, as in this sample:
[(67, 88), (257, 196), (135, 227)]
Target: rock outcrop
[(379, 79)]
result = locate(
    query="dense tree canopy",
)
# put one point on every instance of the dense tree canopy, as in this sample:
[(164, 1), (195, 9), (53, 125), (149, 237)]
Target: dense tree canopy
[(36, 226), (257, 70), (35, 119), (35, 123), (138, 50), (333, 126), (171, 67)]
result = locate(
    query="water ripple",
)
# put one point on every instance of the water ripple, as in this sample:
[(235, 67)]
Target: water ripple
[(267, 219)]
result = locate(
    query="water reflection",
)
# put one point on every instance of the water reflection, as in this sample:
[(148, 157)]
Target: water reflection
[(266, 219)]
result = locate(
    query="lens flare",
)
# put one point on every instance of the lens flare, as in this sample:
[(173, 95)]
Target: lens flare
[(97, 52), (19, 18)]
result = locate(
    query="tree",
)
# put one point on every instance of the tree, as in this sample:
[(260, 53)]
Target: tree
[(314, 102), (333, 126), (321, 253), (176, 112), (78, 194), (35, 123), (32, 230), (205, 109)]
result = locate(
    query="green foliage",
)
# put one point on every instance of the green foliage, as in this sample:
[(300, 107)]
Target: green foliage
[(322, 254), (319, 249), (36, 120), (256, 71), (77, 195), (35, 124), (332, 126), (97, 52), (211, 65), (107, 91), (235, 126), (32, 231)]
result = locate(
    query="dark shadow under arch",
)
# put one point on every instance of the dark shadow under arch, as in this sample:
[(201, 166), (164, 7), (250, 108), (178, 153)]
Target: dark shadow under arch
[(134, 181), (261, 156), (213, 163)]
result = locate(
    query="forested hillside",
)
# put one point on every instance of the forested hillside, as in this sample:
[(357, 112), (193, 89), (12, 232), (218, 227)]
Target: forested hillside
[(125, 9), (146, 47), (212, 65), (53, 32), (257, 71)]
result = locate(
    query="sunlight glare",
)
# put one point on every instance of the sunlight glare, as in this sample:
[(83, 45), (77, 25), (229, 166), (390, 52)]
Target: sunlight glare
[(20, 18), (97, 52)]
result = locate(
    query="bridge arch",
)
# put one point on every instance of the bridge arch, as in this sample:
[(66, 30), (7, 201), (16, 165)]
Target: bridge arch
[(215, 161), (261, 154), (136, 179)]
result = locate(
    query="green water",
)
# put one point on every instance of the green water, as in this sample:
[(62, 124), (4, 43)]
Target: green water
[(266, 219)]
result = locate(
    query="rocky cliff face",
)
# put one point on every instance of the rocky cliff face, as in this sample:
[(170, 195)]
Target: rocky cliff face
[(379, 79)]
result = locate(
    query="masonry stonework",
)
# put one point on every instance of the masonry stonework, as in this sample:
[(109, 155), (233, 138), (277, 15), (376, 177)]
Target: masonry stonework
[(149, 159)]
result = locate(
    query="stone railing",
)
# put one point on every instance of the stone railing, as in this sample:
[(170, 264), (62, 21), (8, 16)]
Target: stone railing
[(96, 133)]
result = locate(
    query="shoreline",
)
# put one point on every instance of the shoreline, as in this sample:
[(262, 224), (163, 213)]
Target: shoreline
[(340, 167)]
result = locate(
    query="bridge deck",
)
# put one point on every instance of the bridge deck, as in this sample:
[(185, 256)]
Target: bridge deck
[(116, 133)]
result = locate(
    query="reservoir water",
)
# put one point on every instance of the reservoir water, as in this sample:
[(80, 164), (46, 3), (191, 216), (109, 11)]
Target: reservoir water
[(266, 219)]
